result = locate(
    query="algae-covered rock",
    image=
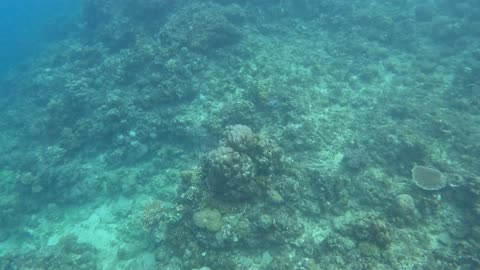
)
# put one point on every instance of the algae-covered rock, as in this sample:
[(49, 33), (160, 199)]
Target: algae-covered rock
[(209, 219)]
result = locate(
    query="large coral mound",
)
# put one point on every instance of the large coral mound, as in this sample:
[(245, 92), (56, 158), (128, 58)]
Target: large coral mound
[(238, 170)]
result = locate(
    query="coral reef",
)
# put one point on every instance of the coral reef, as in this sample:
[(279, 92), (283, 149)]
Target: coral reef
[(428, 178), (205, 26), (67, 253), (404, 209), (240, 169), (372, 230), (209, 219), (230, 174), (229, 212), (229, 134)]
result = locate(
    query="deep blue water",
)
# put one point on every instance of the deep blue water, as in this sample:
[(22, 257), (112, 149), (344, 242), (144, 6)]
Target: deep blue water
[(23, 25)]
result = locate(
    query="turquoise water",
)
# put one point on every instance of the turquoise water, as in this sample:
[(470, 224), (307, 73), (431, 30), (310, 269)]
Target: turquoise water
[(223, 134), (27, 25)]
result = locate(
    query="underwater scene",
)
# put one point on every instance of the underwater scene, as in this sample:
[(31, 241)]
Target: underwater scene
[(240, 134), (27, 26)]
